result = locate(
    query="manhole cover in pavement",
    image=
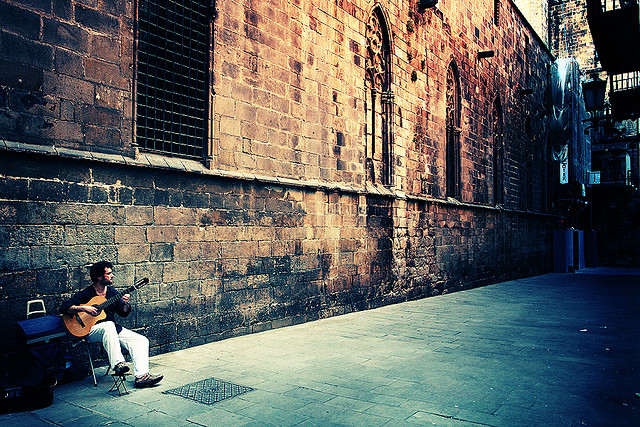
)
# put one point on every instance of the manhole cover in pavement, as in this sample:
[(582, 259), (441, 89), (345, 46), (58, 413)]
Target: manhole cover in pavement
[(209, 391)]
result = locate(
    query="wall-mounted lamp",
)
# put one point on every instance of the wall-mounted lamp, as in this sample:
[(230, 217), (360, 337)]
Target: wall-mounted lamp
[(593, 92), (426, 4), (486, 54)]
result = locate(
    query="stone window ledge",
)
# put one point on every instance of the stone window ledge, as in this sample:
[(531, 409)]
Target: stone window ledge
[(156, 161)]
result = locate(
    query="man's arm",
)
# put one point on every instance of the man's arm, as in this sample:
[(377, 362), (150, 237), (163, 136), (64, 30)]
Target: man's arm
[(75, 304), (86, 308), (123, 308)]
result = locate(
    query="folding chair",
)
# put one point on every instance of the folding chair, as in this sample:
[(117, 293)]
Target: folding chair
[(36, 308)]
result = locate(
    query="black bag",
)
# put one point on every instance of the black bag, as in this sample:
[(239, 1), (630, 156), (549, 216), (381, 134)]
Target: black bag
[(30, 380), (43, 339), (18, 398), (24, 388)]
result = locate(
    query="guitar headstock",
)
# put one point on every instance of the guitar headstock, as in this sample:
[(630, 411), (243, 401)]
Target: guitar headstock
[(140, 283)]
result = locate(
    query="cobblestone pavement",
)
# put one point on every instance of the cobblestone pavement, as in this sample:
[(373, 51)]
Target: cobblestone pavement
[(551, 350)]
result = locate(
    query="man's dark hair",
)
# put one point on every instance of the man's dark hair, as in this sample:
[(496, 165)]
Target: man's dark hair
[(97, 269)]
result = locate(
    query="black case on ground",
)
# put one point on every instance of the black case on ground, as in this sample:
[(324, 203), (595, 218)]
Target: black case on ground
[(16, 398), (30, 380)]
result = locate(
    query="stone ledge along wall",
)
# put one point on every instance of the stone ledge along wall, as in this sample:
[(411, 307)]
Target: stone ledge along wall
[(282, 225)]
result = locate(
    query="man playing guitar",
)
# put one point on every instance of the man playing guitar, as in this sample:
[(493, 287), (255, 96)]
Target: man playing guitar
[(107, 331)]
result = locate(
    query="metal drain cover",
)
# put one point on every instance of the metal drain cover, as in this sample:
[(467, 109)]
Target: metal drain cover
[(209, 391)]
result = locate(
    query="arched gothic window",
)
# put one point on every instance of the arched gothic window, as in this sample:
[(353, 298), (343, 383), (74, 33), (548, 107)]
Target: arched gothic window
[(452, 166), (498, 153), (379, 100)]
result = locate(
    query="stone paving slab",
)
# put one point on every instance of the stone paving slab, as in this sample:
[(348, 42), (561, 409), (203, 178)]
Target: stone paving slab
[(556, 350)]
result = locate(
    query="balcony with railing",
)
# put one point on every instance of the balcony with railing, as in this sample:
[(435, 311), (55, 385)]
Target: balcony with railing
[(624, 95), (615, 27), (614, 166)]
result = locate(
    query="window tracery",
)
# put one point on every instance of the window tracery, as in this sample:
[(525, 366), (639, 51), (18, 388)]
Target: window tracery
[(452, 166), (379, 100)]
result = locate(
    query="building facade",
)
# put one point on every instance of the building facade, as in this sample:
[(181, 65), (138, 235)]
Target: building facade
[(614, 197), (269, 163)]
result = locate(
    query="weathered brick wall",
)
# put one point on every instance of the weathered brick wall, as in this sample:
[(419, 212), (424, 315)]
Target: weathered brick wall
[(227, 256), (569, 33), (520, 63), (537, 13), (448, 248), (289, 89), (66, 69), (282, 227), (224, 256)]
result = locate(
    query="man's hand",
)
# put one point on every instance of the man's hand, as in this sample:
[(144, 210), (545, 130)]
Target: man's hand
[(91, 310), (126, 298)]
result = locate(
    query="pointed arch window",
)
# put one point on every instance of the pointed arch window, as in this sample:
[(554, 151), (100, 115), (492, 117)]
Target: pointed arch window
[(452, 164), (498, 152), (379, 100)]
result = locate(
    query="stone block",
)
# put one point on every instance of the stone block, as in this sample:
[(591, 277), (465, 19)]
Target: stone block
[(133, 253), (195, 199), (100, 116), (105, 214), (96, 20), (15, 259), (47, 190), (20, 76), (129, 234), (186, 251), (63, 9), (105, 73), (110, 98), (62, 34), (174, 216), (105, 48), (143, 196), (18, 20), (161, 252), (165, 234), (12, 188), (77, 193), (52, 281), (25, 51), (68, 87), (19, 284), (97, 136), (138, 215)]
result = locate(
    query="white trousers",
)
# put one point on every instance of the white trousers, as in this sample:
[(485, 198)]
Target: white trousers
[(137, 345)]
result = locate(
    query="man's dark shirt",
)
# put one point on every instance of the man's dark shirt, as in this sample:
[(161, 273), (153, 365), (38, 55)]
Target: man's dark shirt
[(82, 297)]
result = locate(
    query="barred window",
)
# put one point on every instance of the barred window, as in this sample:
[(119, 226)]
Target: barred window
[(172, 83)]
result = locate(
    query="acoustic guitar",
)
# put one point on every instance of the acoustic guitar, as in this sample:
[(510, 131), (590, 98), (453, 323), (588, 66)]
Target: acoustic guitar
[(79, 324)]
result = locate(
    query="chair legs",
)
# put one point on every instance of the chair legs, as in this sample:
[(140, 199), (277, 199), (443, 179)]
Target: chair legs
[(118, 384), (93, 374), (117, 379)]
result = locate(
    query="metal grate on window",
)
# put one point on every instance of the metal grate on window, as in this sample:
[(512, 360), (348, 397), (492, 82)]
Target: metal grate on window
[(172, 76)]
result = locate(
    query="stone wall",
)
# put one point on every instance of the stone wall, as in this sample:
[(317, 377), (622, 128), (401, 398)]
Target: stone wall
[(229, 256), (282, 224), (537, 13), (569, 33)]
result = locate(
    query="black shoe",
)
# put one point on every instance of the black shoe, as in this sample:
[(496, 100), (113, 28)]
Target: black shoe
[(147, 380), (120, 369)]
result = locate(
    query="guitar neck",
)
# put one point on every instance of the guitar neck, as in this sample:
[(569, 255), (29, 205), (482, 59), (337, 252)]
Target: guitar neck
[(118, 295)]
